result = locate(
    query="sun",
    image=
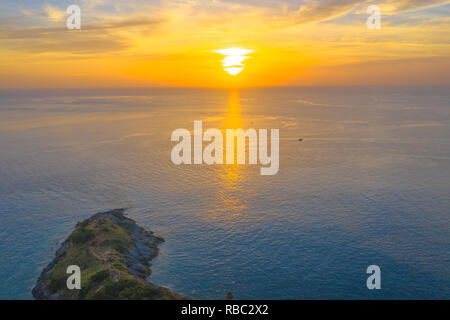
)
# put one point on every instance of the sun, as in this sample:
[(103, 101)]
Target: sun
[(234, 58)]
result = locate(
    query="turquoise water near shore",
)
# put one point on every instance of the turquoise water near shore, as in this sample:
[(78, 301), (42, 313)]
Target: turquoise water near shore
[(368, 185)]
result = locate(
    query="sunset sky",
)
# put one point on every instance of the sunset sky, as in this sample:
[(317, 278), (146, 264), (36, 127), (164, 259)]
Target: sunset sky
[(176, 43)]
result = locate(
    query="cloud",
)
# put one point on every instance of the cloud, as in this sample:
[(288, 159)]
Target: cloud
[(49, 32), (398, 6), (315, 11), (322, 10), (53, 13), (188, 28), (92, 38)]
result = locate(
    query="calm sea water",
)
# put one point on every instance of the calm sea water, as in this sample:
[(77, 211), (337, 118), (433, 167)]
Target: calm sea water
[(368, 185)]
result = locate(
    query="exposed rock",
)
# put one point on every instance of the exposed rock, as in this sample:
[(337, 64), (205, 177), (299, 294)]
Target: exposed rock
[(114, 255)]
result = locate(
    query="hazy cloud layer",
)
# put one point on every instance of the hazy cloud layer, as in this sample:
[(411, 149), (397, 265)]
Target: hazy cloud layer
[(397, 6), (41, 27), (156, 39)]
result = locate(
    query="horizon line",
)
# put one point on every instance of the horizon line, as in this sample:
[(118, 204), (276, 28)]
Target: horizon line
[(227, 88)]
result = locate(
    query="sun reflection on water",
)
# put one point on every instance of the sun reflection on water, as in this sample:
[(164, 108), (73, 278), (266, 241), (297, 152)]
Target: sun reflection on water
[(229, 204)]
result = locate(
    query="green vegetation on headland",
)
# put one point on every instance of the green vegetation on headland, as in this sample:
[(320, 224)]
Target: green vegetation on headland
[(114, 255)]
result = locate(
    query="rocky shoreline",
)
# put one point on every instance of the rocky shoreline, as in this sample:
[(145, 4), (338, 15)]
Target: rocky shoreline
[(114, 254)]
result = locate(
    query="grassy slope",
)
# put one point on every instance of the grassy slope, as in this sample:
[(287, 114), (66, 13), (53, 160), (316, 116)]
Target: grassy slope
[(99, 248)]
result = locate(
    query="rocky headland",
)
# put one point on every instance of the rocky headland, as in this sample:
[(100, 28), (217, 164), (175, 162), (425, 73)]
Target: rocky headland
[(114, 255)]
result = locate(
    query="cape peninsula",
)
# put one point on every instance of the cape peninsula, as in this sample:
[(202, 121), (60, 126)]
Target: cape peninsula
[(114, 257)]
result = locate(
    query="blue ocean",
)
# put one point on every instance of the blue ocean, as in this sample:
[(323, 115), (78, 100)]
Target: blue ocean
[(369, 184)]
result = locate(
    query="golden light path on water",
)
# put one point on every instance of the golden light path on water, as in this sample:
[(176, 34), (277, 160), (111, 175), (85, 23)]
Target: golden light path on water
[(229, 198)]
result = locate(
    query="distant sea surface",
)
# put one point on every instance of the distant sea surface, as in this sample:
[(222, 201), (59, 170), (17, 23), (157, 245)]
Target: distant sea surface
[(369, 184)]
